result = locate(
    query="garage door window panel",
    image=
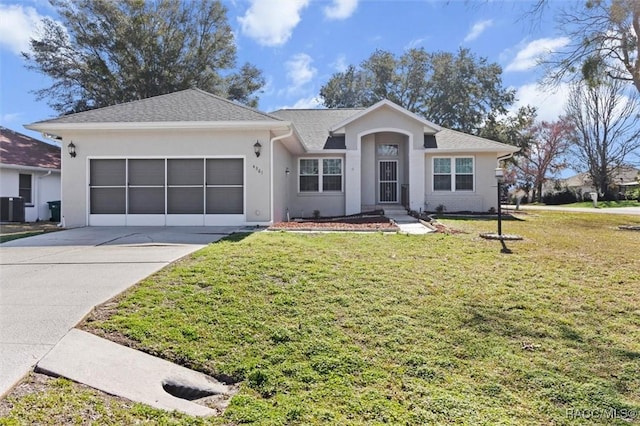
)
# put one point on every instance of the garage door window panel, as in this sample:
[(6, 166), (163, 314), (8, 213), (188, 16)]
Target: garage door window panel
[(225, 186), (146, 186), (107, 181), (108, 200), (185, 181)]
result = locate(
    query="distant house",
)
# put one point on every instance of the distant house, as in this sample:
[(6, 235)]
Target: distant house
[(29, 168), (192, 158), (623, 179)]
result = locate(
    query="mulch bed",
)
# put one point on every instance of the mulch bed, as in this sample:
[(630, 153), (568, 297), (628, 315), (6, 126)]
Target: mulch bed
[(363, 224)]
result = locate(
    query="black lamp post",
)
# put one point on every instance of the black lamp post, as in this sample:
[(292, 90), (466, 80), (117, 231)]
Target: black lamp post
[(500, 179)]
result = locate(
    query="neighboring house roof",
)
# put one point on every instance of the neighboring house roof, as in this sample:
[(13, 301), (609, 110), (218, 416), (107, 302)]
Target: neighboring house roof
[(312, 125), (17, 149), (626, 173), (191, 105)]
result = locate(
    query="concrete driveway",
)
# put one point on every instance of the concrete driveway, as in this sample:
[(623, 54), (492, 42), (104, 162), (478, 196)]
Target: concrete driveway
[(50, 282)]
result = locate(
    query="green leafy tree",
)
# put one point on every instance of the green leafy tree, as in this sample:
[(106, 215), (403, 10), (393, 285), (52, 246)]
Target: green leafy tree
[(458, 91), (104, 52)]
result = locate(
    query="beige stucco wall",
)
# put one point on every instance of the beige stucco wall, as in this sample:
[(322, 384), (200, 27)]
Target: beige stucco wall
[(481, 199), (368, 170), (283, 184), (184, 143)]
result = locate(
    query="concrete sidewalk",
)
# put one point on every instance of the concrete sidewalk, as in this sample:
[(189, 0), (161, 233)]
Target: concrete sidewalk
[(634, 211), (49, 282)]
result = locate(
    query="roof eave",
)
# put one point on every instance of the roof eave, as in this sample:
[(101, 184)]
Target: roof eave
[(500, 151), (29, 168), (218, 125)]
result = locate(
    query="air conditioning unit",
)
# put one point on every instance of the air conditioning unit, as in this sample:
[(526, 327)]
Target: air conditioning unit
[(11, 209)]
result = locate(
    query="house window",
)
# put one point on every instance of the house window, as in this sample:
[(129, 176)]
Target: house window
[(388, 150), (453, 174), (320, 175), (464, 174), (442, 174), (25, 188)]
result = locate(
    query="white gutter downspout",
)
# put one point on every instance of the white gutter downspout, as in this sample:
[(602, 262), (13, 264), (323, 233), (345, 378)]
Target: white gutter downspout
[(37, 197), (274, 139), (504, 157)]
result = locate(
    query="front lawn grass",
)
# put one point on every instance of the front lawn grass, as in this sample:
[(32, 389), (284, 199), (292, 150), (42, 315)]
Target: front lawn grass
[(605, 204), (394, 329)]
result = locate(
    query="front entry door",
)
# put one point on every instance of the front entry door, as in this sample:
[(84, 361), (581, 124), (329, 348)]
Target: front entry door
[(388, 181)]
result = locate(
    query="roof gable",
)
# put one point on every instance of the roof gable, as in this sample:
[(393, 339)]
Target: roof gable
[(22, 150), (312, 125), (429, 127), (190, 105)]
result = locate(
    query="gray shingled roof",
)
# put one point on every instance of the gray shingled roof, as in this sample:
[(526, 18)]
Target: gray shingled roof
[(312, 125), (447, 139), (193, 105)]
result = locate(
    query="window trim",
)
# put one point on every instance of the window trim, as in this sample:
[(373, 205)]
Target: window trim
[(20, 188), (321, 174), (453, 173)]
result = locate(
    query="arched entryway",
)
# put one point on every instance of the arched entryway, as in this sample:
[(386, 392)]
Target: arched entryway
[(384, 168)]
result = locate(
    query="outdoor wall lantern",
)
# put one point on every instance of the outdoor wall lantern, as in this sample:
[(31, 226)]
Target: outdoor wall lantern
[(287, 171), (257, 148), (72, 149)]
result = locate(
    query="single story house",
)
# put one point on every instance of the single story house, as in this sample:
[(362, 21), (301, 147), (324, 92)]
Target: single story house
[(623, 179), (30, 169), (193, 158)]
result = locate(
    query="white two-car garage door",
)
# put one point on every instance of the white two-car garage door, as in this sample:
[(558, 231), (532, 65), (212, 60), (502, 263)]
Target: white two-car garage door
[(166, 191)]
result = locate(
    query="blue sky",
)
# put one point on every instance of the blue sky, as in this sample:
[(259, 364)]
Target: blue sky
[(299, 44)]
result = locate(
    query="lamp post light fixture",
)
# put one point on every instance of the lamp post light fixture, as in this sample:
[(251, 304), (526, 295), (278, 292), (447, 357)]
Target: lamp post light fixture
[(500, 179), (257, 148), (72, 150)]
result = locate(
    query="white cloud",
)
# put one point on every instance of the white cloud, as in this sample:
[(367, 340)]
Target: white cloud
[(312, 102), (477, 29), (414, 43), (549, 103), (340, 64), (10, 117), (299, 71), (19, 25), (271, 22), (528, 57), (340, 9)]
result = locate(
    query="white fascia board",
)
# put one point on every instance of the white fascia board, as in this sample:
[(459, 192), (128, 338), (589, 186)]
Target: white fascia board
[(500, 152), (327, 151), (28, 168), (216, 125), (431, 127)]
